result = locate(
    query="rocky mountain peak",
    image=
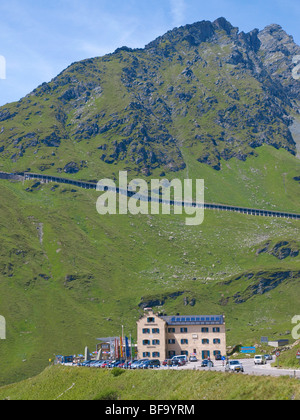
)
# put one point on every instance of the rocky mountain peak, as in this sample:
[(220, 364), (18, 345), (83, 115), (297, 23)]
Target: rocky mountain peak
[(273, 37), (206, 87), (223, 24)]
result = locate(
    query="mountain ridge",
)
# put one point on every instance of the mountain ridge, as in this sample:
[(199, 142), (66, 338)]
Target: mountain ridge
[(205, 87)]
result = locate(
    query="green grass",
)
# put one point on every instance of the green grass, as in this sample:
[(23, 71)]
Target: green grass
[(60, 383), (288, 359), (89, 274)]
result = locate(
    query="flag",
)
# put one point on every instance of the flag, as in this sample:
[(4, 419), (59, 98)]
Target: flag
[(117, 348), (127, 349), (121, 348), (132, 348)]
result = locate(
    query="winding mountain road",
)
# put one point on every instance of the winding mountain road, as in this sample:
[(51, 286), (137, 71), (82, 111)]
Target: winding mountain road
[(93, 185)]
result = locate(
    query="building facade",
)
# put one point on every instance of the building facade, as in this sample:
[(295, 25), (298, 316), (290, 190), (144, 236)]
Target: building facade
[(162, 337)]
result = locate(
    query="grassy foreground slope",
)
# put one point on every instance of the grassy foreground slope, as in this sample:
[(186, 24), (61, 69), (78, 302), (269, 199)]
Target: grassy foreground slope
[(69, 275), (58, 383)]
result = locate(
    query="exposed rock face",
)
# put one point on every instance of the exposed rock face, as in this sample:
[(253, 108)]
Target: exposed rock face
[(258, 284), (158, 300), (278, 50), (281, 250), (217, 92)]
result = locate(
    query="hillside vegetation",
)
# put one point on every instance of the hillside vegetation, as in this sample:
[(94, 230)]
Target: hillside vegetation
[(69, 275), (58, 383)]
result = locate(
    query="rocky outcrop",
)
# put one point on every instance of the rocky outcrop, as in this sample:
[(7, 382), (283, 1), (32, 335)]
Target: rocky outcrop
[(151, 302), (259, 283), (280, 250)]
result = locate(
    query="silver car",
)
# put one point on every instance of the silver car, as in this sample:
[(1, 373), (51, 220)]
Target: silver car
[(234, 366)]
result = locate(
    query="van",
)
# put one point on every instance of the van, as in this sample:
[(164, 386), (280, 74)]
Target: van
[(181, 357), (260, 360)]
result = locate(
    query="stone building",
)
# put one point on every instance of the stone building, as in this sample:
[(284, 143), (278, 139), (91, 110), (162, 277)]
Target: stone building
[(162, 337)]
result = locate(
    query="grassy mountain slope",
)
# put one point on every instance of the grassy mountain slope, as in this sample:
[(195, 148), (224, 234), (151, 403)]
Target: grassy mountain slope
[(69, 275), (71, 384)]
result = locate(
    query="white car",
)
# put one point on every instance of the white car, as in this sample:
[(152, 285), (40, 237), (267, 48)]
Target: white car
[(234, 366), (260, 360)]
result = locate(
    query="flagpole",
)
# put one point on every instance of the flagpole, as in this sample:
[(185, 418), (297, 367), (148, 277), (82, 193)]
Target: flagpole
[(122, 353)]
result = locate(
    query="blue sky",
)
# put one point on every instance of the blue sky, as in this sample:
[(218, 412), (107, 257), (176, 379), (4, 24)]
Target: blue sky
[(40, 38)]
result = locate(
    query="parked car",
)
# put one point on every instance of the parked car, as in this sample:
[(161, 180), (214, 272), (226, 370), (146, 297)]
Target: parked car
[(86, 363), (207, 363), (101, 363), (145, 364), (116, 363), (151, 364), (125, 365), (260, 360), (136, 364), (269, 357), (96, 363), (167, 362), (193, 359), (93, 363), (234, 366), (178, 362), (105, 364), (218, 357)]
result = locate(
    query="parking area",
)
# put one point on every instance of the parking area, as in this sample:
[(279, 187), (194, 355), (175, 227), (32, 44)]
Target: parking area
[(248, 366)]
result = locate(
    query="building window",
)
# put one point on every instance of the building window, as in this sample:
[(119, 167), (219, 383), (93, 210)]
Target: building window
[(205, 354), (155, 342), (171, 330), (217, 341), (146, 342), (146, 354), (184, 341), (216, 329), (205, 341), (183, 330), (146, 330), (184, 353), (150, 320), (204, 330), (155, 330), (156, 354), (171, 353), (171, 341)]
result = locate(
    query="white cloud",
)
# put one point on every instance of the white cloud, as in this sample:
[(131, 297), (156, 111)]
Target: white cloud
[(178, 8)]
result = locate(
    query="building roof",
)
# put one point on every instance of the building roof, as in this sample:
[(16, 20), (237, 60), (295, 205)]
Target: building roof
[(194, 319)]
